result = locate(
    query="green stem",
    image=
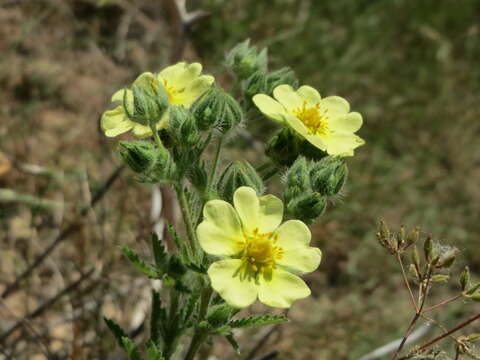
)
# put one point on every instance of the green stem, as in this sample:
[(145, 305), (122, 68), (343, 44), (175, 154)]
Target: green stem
[(157, 138), (211, 178), (187, 219), (200, 334)]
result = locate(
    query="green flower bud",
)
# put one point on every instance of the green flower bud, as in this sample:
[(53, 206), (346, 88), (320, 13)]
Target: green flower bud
[(465, 278), (198, 176), (217, 109), (328, 176), (150, 100), (447, 258), (164, 170), (307, 207), (297, 181), (182, 126), (244, 60), (279, 77), (440, 278), (428, 249), (283, 147), (239, 174), (140, 156)]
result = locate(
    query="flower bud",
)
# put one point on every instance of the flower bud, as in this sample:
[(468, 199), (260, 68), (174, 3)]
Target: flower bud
[(244, 60), (428, 249), (283, 147), (217, 109), (297, 179), (413, 236), (307, 207), (150, 100), (182, 126), (465, 278), (447, 258), (140, 156), (328, 176), (198, 176), (239, 174)]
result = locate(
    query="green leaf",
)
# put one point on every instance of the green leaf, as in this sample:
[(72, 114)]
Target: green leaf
[(473, 289), (159, 252), (189, 309), (139, 264), (233, 342), (258, 321), (116, 330), (157, 319), (219, 315), (131, 348), (153, 352)]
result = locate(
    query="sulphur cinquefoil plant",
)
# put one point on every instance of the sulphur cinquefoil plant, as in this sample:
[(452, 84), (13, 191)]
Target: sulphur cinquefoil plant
[(238, 243)]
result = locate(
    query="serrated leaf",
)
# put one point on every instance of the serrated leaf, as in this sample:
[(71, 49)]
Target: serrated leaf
[(157, 319), (139, 264), (258, 321), (233, 342), (189, 308), (131, 348), (159, 252), (116, 330), (152, 351)]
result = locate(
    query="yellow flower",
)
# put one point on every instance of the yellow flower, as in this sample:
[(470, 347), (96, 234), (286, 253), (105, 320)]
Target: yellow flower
[(326, 123), (260, 253), (183, 84)]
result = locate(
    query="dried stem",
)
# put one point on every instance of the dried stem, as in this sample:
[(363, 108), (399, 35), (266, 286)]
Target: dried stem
[(448, 333)]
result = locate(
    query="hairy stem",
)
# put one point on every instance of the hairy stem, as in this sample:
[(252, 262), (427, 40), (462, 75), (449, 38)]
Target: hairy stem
[(200, 335), (187, 218), (211, 177)]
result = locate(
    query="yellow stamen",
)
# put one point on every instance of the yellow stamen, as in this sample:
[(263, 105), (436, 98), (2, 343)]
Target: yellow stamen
[(259, 253), (313, 118)]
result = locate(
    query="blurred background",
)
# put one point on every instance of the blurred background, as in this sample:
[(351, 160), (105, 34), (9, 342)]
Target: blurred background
[(410, 67)]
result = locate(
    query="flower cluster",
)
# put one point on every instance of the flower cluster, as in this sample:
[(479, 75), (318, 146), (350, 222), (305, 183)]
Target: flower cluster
[(235, 241)]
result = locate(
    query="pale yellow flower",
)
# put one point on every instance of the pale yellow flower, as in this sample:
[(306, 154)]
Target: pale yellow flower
[(261, 256), (326, 123), (183, 84)]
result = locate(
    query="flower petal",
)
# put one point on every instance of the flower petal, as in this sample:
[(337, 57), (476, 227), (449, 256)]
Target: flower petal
[(270, 107), (180, 75), (115, 122), (293, 234), (194, 89), (141, 131), (335, 104), (341, 144), (304, 259), (348, 123), (271, 213), (247, 205), (225, 278), (316, 141), (309, 94), (220, 232), (286, 96), (282, 289), (296, 124)]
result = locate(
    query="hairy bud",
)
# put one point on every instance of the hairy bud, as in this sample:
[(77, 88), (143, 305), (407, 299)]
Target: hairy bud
[(217, 109), (244, 60), (239, 174), (297, 179), (182, 126), (328, 176), (140, 156), (150, 100), (307, 207)]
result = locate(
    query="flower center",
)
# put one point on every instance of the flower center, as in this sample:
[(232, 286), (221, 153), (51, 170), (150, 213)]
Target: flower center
[(313, 118), (172, 92), (260, 252)]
